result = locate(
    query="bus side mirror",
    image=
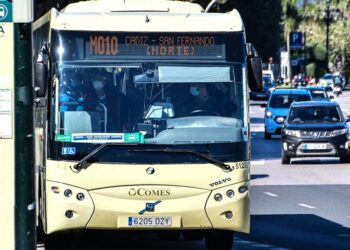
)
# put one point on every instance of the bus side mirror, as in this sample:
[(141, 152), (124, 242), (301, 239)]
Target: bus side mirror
[(41, 72), (40, 78), (254, 69), (255, 74)]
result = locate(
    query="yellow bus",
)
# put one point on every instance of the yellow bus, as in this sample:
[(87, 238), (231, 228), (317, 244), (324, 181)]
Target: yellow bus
[(142, 120)]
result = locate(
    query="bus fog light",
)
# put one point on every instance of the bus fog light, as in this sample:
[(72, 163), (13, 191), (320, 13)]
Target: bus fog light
[(69, 214), (80, 196), (68, 193), (218, 197), (230, 193), (242, 189), (56, 190), (229, 215)]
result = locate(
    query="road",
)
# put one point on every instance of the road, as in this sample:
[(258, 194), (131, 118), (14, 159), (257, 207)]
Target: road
[(304, 205)]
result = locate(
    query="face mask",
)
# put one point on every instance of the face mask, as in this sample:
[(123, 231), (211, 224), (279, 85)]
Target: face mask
[(98, 85), (194, 91)]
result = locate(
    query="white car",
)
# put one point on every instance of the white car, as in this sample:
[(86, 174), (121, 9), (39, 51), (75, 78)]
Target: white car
[(327, 80)]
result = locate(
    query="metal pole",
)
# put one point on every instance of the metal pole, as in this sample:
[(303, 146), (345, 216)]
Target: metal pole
[(25, 233), (327, 34)]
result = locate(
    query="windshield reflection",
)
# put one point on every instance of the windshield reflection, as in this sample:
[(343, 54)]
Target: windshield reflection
[(159, 105)]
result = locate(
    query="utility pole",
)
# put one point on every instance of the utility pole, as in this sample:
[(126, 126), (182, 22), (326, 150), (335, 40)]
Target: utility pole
[(17, 204), (25, 208)]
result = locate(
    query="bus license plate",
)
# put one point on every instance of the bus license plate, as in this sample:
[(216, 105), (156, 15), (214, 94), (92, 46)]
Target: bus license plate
[(315, 146), (149, 221)]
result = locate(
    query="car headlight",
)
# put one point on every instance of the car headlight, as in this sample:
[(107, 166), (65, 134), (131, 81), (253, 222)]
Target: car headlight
[(338, 132), (280, 119), (295, 133), (268, 114)]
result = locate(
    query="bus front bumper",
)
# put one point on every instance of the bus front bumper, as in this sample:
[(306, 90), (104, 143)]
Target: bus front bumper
[(69, 207)]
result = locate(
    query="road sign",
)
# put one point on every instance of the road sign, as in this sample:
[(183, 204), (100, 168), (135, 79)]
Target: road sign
[(5, 11), (295, 40)]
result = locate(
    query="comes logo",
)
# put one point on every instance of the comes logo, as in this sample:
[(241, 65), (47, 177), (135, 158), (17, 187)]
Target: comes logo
[(149, 192)]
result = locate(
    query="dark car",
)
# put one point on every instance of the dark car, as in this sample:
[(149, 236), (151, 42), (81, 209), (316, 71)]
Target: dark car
[(264, 94), (315, 129)]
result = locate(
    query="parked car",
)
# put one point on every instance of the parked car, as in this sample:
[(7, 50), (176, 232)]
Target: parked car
[(278, 106), (315, 129), (264, 94)]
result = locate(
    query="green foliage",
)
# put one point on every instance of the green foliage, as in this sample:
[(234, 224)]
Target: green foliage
[(311, 69), (319, 52), (308, 19)]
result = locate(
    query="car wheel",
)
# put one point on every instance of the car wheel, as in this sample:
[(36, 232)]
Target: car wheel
[(285, 158), (345, 159), (267, 135), (219, 240)]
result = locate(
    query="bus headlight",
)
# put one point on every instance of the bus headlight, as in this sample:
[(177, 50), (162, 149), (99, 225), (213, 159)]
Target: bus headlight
[(230, 193), (218, 197)]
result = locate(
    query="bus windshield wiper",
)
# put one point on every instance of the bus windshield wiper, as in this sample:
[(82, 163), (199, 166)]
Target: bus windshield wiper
[(218, 163), (84, 163)]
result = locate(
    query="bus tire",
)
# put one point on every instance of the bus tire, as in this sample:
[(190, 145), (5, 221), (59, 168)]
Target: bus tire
[(169, 235), (219, 240), (57, 241)]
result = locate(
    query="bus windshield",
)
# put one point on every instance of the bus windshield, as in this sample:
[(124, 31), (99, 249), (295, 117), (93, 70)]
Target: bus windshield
[(148, 103)]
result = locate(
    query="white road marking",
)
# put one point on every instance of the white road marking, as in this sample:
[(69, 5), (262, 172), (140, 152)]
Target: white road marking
[(307, 206), (258, 163), (271, 194)]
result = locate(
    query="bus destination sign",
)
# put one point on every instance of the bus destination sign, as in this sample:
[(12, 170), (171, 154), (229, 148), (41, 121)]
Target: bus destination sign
[(160, 46)]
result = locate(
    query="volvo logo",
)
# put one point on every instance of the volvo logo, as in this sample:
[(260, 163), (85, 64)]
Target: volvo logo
[(150, 170)]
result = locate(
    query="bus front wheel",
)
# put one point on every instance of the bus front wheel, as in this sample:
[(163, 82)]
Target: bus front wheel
[(57, 241), (219, 240)]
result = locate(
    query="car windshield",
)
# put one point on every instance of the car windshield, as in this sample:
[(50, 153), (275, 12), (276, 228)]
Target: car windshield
[(158, 104), (267, 81), (314, 114), (318, 94), (327, 77), (285, 100)]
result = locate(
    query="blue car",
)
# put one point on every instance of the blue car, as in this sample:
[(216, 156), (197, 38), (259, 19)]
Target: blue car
[(278, 107), (264, 94)]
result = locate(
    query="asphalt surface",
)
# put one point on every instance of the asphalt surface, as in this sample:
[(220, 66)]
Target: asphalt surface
[(304, 205)]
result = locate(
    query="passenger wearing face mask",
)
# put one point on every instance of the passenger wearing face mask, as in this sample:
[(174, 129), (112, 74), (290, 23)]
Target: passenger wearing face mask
[(103, 93), (70, 91)]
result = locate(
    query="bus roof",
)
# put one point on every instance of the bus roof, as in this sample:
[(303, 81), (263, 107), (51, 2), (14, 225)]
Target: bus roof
[(142, 16)]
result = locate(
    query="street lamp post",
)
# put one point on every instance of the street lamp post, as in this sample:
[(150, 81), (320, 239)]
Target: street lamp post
[(329, 15)]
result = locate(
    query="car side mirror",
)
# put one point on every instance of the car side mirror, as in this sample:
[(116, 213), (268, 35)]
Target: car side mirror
[(254, 69)]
